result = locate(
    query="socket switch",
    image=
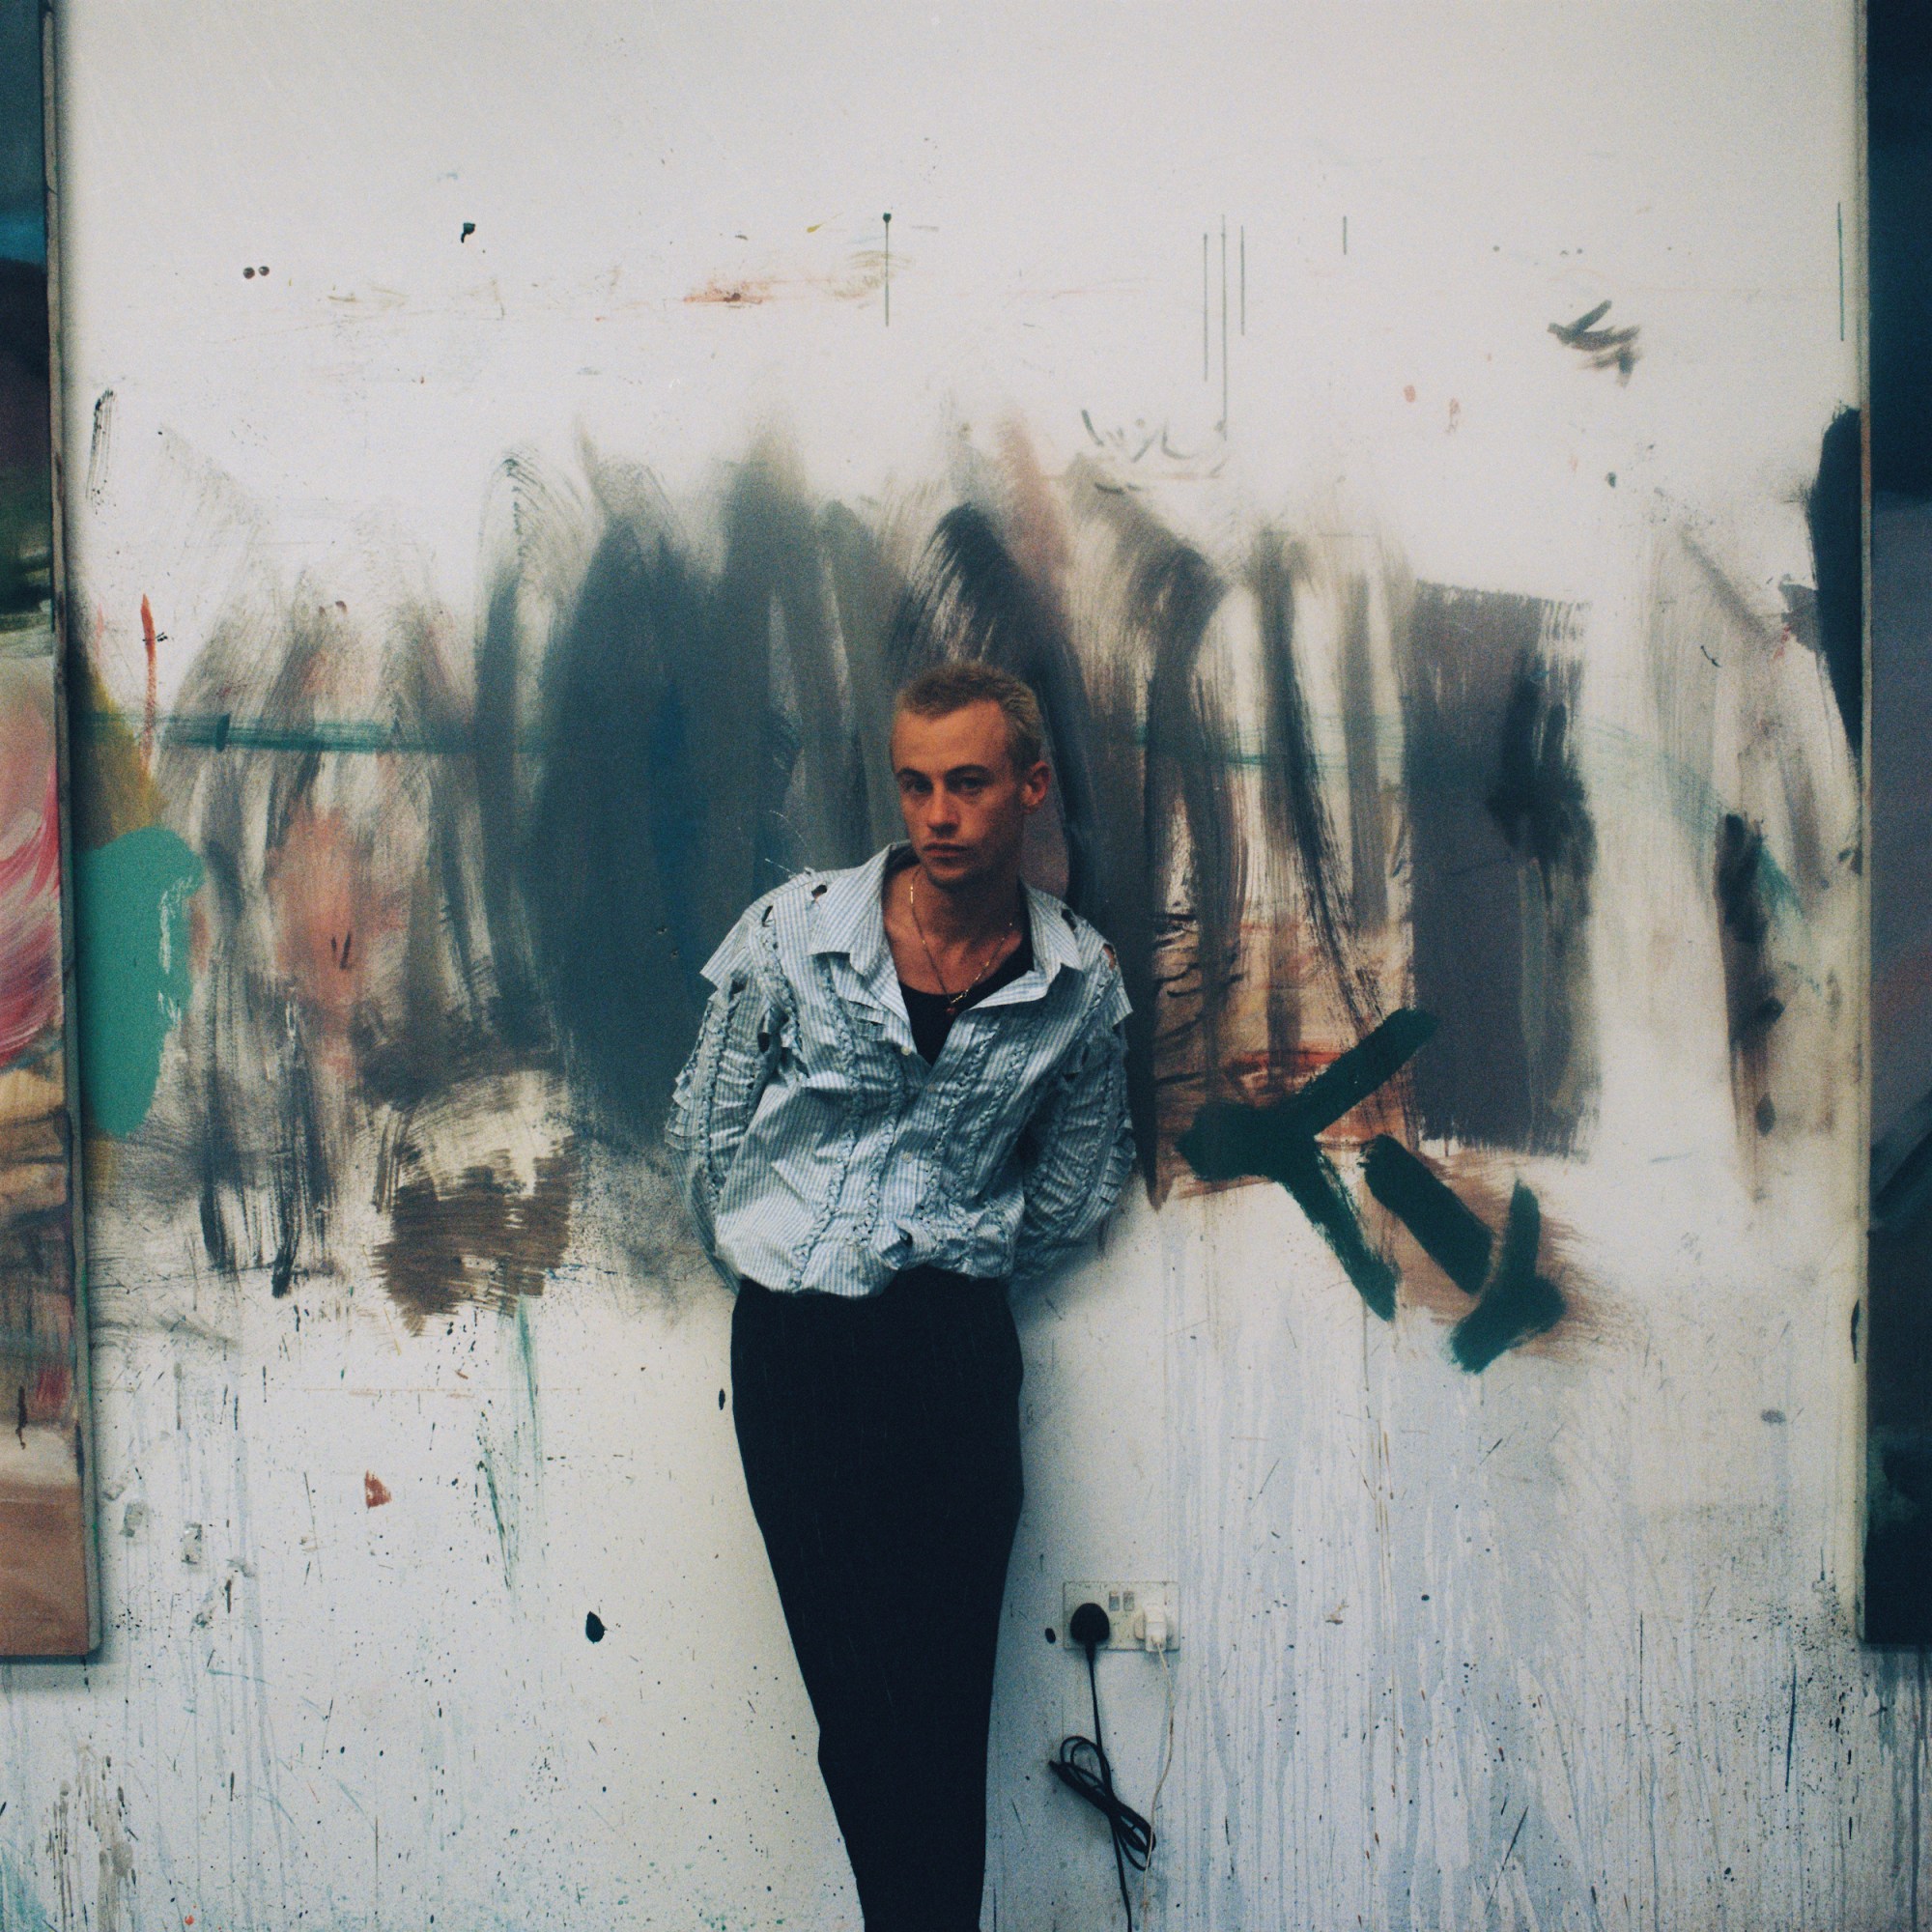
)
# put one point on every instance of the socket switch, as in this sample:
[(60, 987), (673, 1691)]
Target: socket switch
[(1144, 1616)]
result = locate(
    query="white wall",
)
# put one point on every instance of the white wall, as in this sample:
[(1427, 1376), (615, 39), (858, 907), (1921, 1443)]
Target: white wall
[(1569, 1644)]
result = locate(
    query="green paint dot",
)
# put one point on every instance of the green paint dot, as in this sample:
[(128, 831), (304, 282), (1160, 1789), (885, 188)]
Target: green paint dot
[(131, 918)]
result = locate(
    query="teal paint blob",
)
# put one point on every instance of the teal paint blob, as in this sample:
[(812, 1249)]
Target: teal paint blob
[(130, 930)]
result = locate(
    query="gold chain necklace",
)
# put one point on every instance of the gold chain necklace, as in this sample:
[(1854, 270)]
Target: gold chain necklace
[(953, 1001)]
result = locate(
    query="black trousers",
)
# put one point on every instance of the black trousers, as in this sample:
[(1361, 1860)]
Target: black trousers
[(880, 1439)]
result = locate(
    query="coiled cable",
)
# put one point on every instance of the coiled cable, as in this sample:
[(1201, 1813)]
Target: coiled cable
[(1083, 1767)]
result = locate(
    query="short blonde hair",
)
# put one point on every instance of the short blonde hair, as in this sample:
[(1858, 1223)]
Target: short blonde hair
[(951, 687)]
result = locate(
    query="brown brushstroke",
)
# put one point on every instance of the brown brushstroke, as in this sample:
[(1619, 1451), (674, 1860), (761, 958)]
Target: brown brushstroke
[(477, 1238), (1482, 1181), (731, 294), (152, 704)]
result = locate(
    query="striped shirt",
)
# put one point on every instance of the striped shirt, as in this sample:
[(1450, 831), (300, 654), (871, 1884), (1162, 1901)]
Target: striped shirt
[(819, 1151)]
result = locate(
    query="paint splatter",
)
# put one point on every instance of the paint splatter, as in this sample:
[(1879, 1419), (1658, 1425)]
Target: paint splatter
[(455, 911), (375, 1492), (1600, 348), (348, 975), (731, 294)]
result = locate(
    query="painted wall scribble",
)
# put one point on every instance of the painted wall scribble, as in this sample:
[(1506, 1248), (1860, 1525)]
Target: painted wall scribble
[(1279, 1142), (447, 917)]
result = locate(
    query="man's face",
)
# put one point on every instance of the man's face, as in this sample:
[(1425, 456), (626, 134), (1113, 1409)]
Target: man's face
[(965, 806)]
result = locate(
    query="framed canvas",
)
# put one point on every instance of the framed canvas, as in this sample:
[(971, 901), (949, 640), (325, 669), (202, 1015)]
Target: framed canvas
[(46, 1592)]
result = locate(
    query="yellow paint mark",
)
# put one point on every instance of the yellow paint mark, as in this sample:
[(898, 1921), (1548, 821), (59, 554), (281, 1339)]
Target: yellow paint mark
[(112, 790)]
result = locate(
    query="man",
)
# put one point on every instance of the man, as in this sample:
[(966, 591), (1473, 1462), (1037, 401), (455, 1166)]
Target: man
[(908, 1088)]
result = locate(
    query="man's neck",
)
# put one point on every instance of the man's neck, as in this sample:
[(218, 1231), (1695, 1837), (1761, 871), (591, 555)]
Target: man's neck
[(966, 913)]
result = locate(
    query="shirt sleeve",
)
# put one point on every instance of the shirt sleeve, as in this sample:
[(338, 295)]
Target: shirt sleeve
[(732, 1063), (1080, 1142)]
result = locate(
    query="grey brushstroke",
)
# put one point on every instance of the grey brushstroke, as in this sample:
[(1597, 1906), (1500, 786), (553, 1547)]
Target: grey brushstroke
[(1368, 809), (1499, 940), (1295, 810), (1760, 639), (100, 448), (866, 589), (617, 943), (257, 1134), (1159, 690)]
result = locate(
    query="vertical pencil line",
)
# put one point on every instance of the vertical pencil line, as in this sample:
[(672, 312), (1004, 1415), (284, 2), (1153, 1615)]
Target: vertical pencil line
[(1244, 279), (1224, 324), (889, 268), (1841, 271)]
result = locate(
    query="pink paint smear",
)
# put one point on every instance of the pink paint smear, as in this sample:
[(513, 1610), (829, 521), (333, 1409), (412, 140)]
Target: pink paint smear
[(30, 957)]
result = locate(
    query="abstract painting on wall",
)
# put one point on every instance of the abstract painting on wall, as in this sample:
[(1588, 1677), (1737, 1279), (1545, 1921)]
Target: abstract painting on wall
[(46, 1593), (414, 926)]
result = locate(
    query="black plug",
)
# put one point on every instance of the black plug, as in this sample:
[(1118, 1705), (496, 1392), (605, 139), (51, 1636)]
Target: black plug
[(1090, 1628)]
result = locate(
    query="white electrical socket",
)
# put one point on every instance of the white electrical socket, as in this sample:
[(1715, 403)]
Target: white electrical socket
[(1136, 1611)]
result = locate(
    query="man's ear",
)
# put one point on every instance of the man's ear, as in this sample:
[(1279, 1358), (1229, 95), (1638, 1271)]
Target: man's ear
[(1034, 787)]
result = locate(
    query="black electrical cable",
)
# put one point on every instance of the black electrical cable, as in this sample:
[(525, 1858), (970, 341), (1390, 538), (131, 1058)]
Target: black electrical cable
[(1133, 1836)]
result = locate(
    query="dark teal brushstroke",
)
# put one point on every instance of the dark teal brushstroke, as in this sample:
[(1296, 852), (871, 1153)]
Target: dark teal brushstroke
[(615, 972), (1371, 1062), (1449, 1233), (223, 731), (1514, 1302), (1229, 1143), (1517, 1301), (1277, 1143)]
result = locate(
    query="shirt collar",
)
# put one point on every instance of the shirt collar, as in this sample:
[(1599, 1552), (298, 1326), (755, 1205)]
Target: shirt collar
[(850, 919)]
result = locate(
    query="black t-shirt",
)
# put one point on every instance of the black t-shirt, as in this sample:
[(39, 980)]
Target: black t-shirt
[(932, 1013)]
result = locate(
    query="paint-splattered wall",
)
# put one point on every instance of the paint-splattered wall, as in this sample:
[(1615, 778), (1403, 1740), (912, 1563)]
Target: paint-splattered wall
[(510, 460)]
